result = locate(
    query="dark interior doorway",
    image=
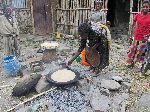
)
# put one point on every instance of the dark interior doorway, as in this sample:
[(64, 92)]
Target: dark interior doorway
[(118, 12), (111, 11), (135, 6)]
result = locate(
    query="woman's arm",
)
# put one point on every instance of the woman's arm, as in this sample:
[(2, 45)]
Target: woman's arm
[(82, 46), (74, 57), (134, 25)]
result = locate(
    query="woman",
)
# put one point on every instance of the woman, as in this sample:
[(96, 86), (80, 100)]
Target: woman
[(98, 14), (141, 28), (93, 38), (9, 31)]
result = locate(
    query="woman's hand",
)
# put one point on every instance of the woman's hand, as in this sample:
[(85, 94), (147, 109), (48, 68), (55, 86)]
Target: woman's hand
[(69, 62), (73, 58), (147, 36)]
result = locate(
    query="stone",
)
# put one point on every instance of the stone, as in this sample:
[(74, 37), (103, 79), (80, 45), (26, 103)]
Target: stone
[(117, 78), (126, 84), (144, 102), (105, 92), (92, 90), (110, 84), (123, 106), (83, 86), (25, 84), (42, 85), (100, 103), (119, 102)]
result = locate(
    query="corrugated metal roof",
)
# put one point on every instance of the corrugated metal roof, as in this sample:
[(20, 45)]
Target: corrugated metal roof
[(19, 3)]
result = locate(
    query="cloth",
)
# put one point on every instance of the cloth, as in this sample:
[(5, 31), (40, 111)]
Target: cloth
[(9, 32), (143, 26), (137, 52), (108, 34), (98, 16), (98, 36), (6, 27)]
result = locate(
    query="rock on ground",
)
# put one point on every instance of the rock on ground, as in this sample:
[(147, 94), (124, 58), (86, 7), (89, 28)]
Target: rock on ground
[(100, 103), (42, 85), (110, 84), (143, 105), (26, 84), (119, 102)]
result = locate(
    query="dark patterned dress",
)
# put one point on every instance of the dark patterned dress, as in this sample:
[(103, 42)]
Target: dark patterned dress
[(97, 36)]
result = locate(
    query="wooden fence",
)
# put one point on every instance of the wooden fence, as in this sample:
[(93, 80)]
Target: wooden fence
[(71, 13), (17, 3)]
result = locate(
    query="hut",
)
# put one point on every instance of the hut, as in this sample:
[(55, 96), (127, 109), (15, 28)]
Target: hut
[(49, 16)]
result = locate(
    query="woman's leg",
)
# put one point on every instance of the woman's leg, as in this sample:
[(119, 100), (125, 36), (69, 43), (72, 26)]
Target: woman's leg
[(104, 53), (140, 53), (137, 53), (132, 53)]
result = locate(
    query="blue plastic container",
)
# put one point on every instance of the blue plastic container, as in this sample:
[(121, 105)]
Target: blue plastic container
[(11, 65)]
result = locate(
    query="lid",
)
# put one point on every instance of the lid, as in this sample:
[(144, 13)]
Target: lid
[(49, 45)]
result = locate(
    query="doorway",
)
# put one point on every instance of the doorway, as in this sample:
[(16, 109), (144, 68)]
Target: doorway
[(42, 16), (118, 12)]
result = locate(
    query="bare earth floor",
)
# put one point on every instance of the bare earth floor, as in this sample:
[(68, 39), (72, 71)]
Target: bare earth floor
[(131, 96)]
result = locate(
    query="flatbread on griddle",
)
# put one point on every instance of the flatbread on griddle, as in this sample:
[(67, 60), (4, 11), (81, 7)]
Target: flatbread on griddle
[(63, 75)]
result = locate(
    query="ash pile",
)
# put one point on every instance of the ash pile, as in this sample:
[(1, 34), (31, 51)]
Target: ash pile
[(66, 99)]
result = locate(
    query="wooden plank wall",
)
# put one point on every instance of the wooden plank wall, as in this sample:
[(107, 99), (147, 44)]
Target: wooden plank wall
[(71, 13)]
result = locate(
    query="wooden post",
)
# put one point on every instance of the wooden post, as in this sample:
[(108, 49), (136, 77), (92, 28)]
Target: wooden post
[(31, 4), (77, 16), (131, 18)]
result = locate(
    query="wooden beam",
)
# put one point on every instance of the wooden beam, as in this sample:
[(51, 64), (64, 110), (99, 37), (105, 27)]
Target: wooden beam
[(73, 9)]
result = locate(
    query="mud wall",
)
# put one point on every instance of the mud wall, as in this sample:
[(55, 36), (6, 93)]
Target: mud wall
[(24, 19), (25, 22)]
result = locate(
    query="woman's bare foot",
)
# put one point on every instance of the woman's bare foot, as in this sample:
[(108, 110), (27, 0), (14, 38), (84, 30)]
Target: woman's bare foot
[(96, 72), (92, 68)]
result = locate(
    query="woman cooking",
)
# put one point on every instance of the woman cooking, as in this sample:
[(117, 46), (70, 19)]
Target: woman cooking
[(94, 40)]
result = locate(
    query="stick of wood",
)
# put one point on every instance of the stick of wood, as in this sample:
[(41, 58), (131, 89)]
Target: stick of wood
[(4, 86), (34, 97)]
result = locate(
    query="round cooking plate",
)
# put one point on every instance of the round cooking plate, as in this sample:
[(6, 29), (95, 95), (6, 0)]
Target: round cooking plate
[(77, 76)]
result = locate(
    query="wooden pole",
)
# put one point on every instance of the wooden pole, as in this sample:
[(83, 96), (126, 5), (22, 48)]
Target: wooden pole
[(32, 12), (29, 100), (131, 19)]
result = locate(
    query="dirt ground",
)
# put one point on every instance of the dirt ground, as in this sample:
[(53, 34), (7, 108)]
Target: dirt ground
[(118, 54)]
